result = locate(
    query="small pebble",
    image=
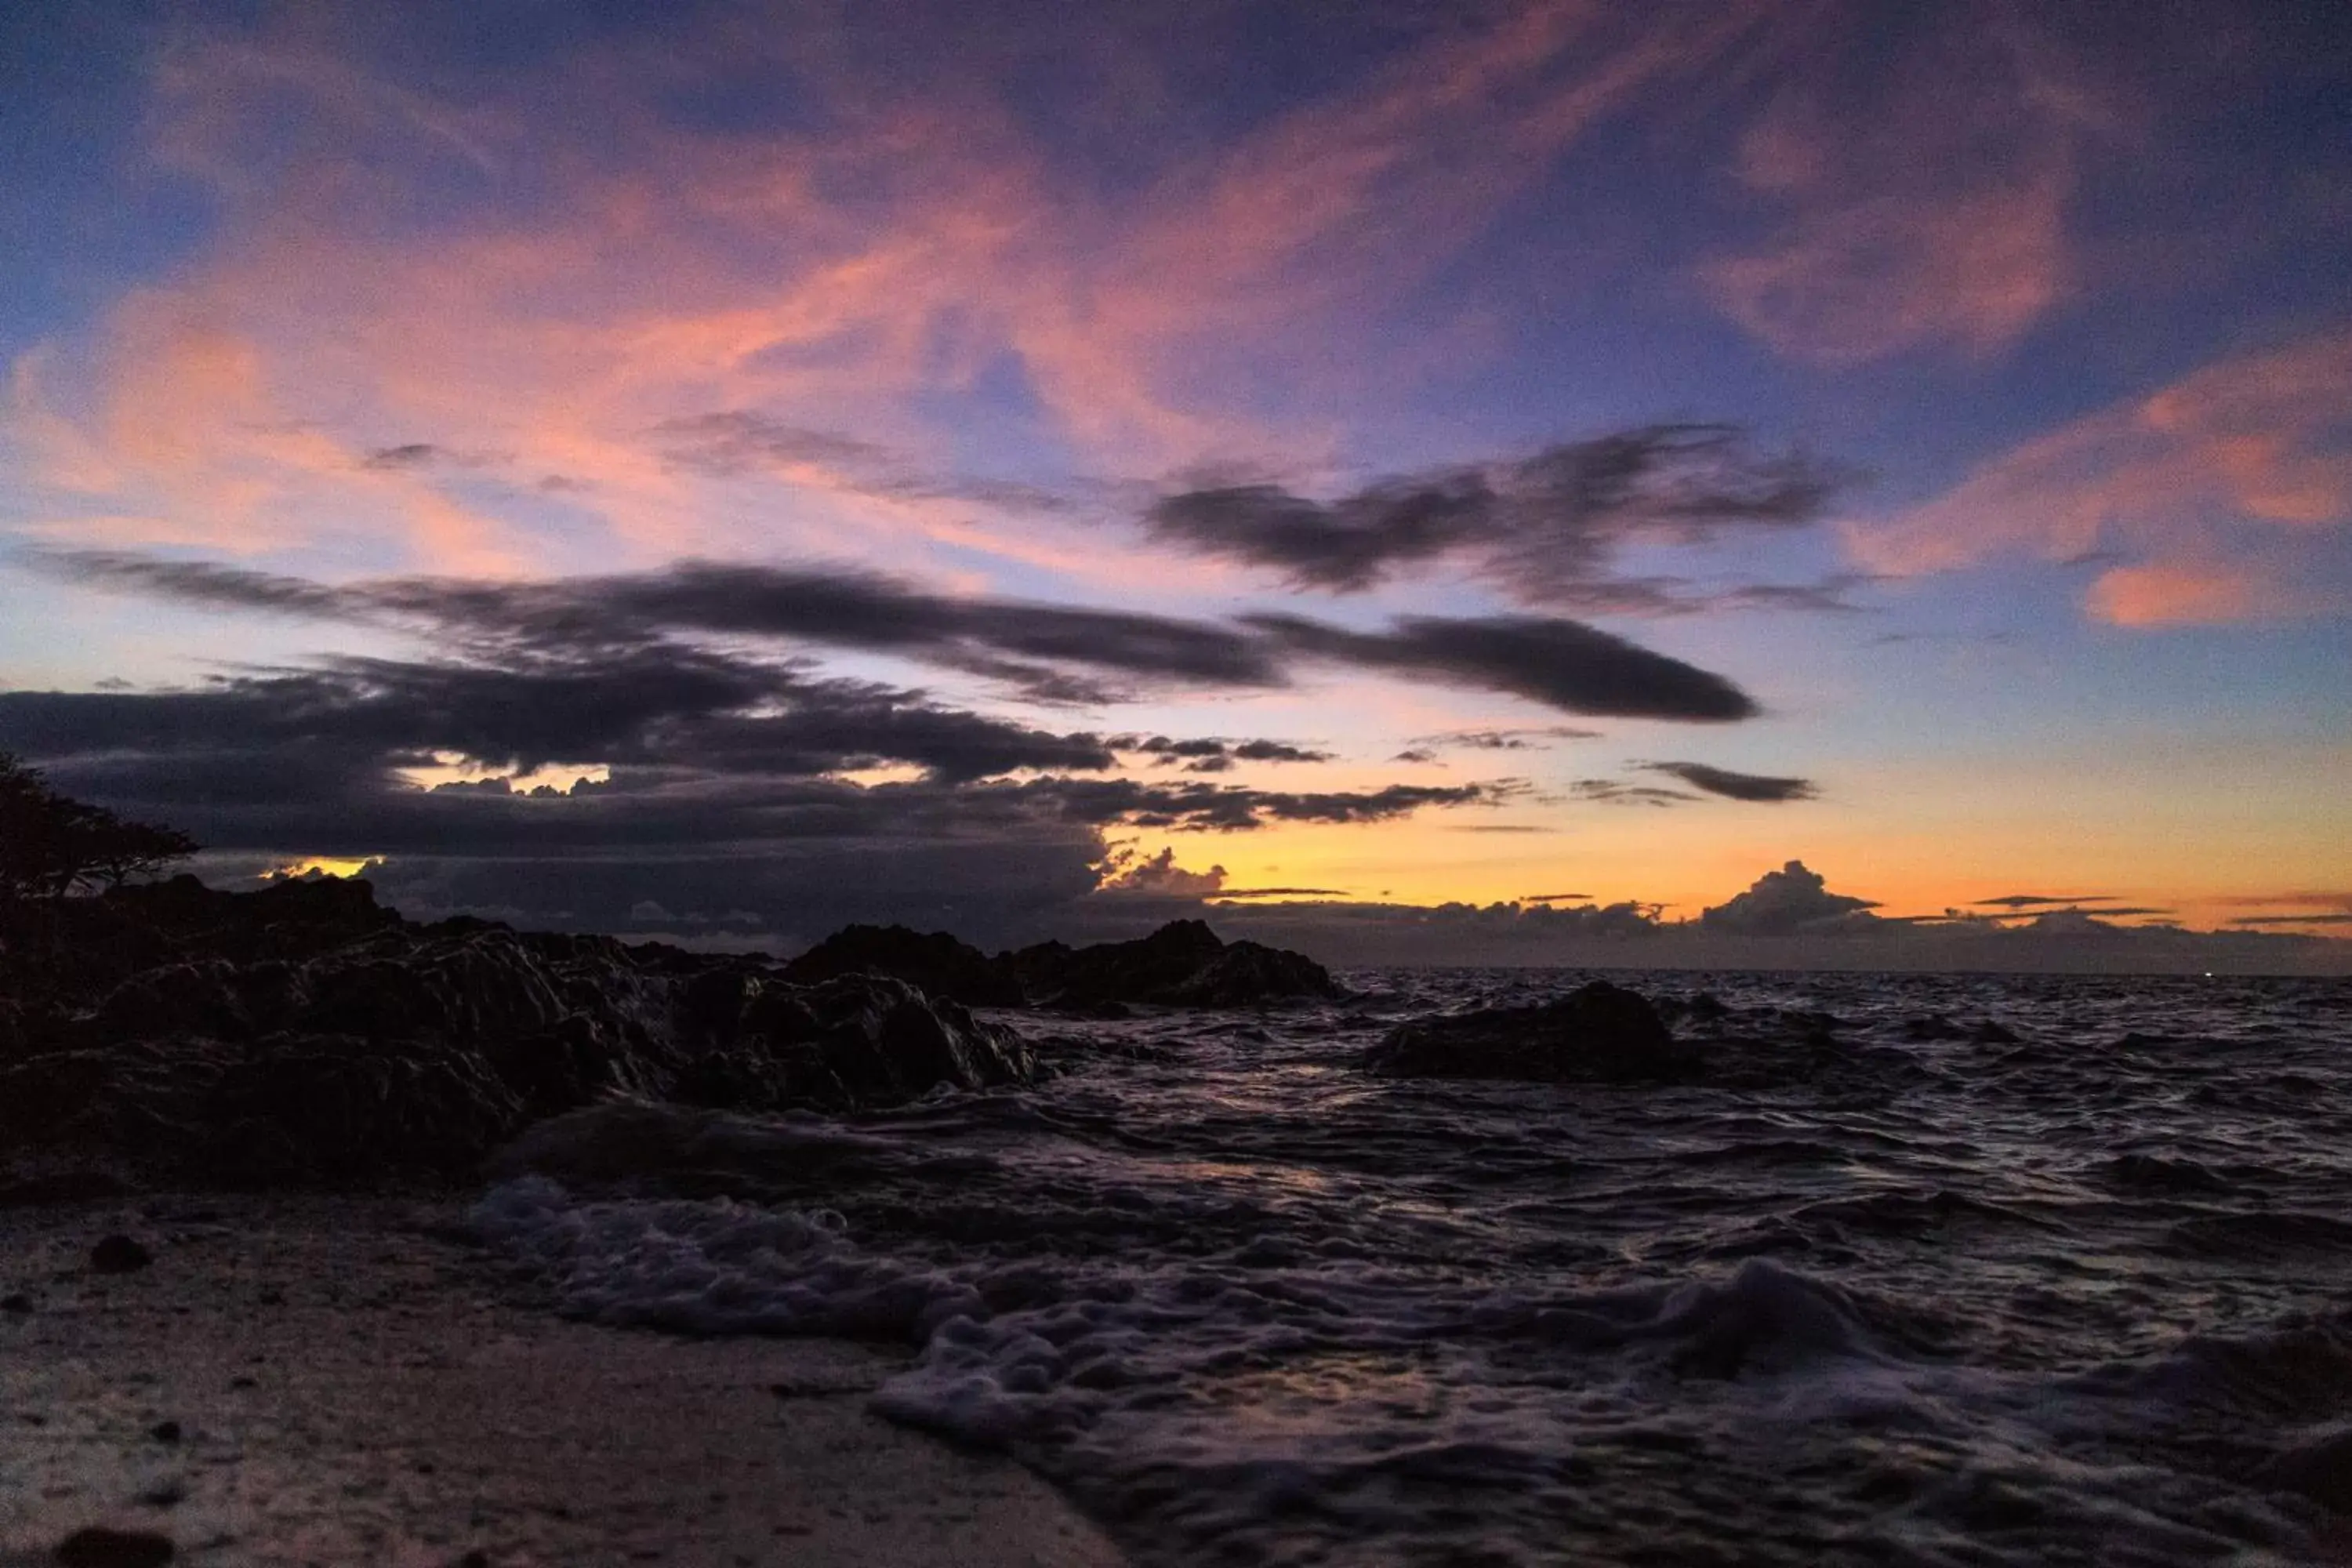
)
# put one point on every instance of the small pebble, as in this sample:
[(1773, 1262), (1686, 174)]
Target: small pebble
[(99, 1547), (164, 1431), (15, 1301), (119, 1254), (477, 1558)]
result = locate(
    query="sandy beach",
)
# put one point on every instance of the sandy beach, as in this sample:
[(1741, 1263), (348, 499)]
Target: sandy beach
[(298, 1380)]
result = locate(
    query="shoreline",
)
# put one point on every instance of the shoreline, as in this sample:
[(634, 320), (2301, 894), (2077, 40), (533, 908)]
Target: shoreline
[(299, 1379)]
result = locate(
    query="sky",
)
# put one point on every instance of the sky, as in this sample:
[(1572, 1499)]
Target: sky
[(722, 471)]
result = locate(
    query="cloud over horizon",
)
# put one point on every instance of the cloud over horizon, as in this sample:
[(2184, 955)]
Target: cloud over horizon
[(1056, 653)]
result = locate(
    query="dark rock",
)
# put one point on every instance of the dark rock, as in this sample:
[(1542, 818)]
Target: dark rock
[(304, 1036), (165, 1431), (1181, 964), (857, 1041), (119, 1254), (15, 1303), (1990, 1033), (99, 1547), (1932, 1026), (1598, 1033), (932, 962)]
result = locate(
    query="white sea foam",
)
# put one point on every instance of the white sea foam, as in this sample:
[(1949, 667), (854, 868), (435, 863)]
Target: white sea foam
[(1251, 1308)]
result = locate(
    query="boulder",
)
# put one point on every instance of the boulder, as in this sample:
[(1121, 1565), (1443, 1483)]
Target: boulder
[(860, 1039), (1181, 964), (1598, 1033), (932, 962)]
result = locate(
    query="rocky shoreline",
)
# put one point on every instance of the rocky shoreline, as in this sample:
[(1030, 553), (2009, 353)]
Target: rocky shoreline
[(304, 1037)]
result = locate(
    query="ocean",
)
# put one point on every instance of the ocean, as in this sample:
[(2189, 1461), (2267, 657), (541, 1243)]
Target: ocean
[(1931, 1270)]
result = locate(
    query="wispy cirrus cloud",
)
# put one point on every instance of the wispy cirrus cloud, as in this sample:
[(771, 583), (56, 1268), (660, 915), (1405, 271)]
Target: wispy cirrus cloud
[(1922, 204), (552, 261), (1523, 739), (2213, 490), (1755, 788)]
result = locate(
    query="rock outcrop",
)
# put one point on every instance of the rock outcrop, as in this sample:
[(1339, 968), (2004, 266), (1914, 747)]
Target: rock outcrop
[(1598, 1033), (1181, 964), (303, 1035), (932, 962)]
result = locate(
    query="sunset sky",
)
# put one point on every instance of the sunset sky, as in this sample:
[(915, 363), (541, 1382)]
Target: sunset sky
[(924, 461)]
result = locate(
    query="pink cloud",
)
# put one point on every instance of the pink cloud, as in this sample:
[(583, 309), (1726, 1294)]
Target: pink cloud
[(1928, 212), (2218, 486), (833, 280), (2175, 594)]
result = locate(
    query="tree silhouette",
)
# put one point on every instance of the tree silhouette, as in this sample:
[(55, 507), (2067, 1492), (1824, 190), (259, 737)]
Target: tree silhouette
[(51, 844)]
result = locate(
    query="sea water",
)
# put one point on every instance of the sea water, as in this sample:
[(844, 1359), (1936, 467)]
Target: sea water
[(1932, 1269)]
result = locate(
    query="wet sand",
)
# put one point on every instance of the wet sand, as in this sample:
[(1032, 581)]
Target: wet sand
[(349, 1380)]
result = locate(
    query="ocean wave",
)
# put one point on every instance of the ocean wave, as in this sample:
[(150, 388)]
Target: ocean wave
[(1249, 1306)]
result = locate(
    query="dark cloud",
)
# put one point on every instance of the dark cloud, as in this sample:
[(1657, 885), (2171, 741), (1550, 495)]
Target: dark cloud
[(1415, 754), (1561, 664), (411, 455), (726, 788), (1791, 901), (1519, 740), (1207, 808), (1215, 754), (2032, 901), (739, 776), (1277, 751), (2314, 920), (1616, 792), (1543, 529), (1026, 644), (1761, 787), (1162, 746), (414, 455), (2324, 901)]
